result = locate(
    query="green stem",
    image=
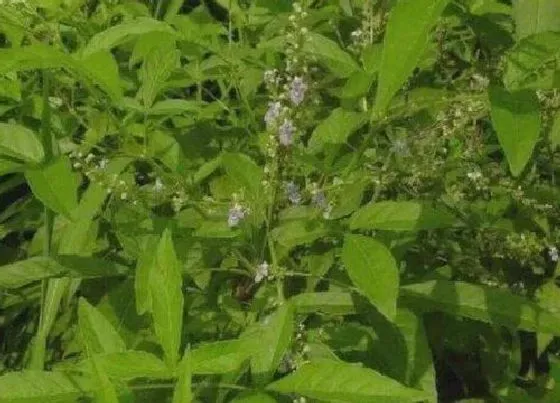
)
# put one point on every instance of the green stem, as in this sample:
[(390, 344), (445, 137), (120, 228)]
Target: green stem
[(38, 348)]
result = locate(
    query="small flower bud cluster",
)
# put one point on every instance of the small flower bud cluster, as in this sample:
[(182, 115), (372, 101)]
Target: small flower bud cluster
[(372, 23), (320, 201), (553, 253), (523, 247), (262, 272), (478, 180)]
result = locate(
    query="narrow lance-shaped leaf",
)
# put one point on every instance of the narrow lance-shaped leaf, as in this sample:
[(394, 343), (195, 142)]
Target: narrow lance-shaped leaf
[(335, 381), (142, 279), (183, 388), (406, 37), (373, 270), (517, 120), (56, 290), (167, 309)]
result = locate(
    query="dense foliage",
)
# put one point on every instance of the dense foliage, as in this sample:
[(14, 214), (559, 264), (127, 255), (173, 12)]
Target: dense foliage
[(269, 201)]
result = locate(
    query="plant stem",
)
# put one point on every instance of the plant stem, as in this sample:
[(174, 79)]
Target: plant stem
[(38, 348)]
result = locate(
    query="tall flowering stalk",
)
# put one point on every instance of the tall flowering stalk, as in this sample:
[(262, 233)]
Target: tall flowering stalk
[(289, 91)]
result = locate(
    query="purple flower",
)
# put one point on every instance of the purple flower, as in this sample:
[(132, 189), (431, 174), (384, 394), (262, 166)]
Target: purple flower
[(273, 112), (297, 90), (319, 199), (236, 214), (286, 132), (292, 192)]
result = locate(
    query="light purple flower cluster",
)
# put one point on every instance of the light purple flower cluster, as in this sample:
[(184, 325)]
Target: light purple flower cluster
[(272, 114), (236, 214), (319, 199), (293, 193), (286, 132), (297, 90)]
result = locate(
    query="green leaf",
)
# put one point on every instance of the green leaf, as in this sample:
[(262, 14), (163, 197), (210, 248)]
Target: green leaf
[(554, 135), (39, 56), (21, 143), (26, 271), (119, 34), (142, 278), (334, 303), (373, 271), (39, 386), (254, 397), (244, 172), (318, 266), (532, 62), (167, 309), (97, 332), (129, 365), (342, 382), (56, 289), (401, 216), (271, 338), (406, 37), (55, 185), (420, 372), (219, 357), (517, 121), (298, 232), (336, 128), (157, 67), (329, 53), (90, 203), (8, 166), (357, 85), (173, 107), (535, 16), (492, 305), (101, 68), (183, 388), (104, 391)]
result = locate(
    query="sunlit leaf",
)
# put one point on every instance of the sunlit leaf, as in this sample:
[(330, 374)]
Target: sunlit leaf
[(517, 120), (373, 270), (166, 285), (406, 37), (339, 381)]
